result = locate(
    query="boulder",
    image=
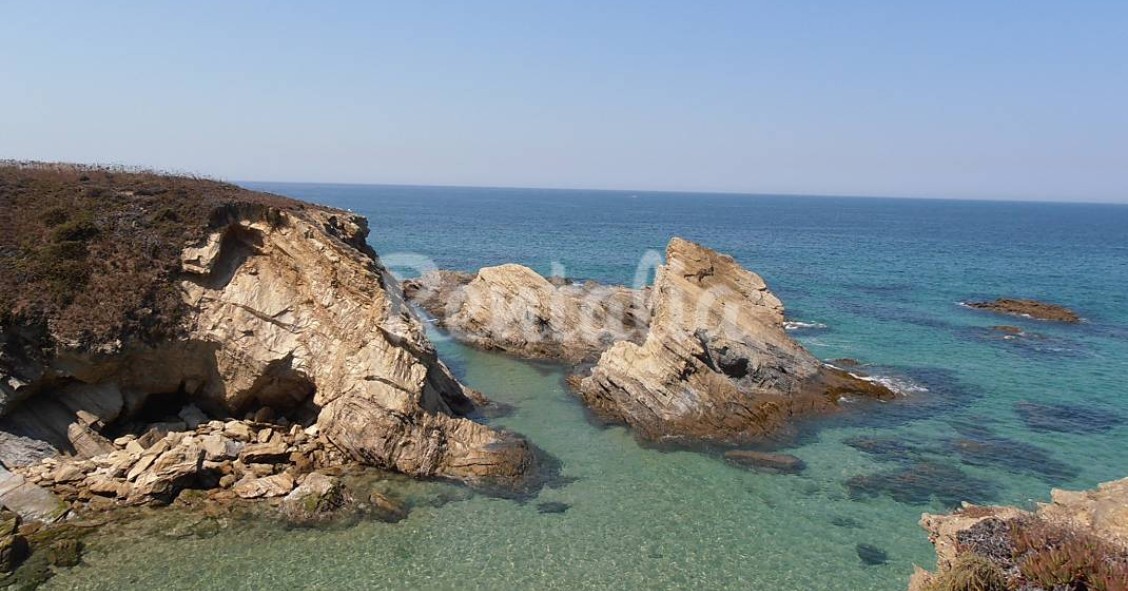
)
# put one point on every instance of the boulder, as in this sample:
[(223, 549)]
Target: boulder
[(317, 496), (276, 485), (717, 363)]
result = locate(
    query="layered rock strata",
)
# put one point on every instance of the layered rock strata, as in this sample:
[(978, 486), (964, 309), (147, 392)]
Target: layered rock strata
[(717, 363), (513, 309)]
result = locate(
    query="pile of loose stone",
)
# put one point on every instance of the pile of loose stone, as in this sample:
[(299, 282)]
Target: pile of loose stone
[(232, 459)]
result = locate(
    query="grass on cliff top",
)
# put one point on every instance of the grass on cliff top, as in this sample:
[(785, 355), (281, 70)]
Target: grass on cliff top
[(88, 255)]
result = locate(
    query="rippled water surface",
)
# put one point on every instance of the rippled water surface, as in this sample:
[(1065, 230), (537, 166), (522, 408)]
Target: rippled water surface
[(987, 418)]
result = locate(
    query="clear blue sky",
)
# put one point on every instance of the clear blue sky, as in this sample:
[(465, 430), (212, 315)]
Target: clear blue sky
[(976, 99)]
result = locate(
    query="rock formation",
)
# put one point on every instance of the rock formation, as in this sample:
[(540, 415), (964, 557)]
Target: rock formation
[(281, 310), (717, 363), (1077, 541), (1028, 309), (513, 309)]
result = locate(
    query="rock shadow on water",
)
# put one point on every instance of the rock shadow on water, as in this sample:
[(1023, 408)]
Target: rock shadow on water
[(1024, 342), (980, 446), (1068, 418), (871, 555), (921, 482), (927, 393)]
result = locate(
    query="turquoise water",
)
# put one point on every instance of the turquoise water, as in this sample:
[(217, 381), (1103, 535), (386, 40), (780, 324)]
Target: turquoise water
[(1000, 420)]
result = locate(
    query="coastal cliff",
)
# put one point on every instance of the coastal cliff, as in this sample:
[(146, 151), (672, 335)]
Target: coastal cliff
[(157, 304), (1078, 541)]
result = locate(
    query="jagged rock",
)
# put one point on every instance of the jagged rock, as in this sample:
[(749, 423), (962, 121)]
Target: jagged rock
[(169, 472), (87, 442), (1028, 309), (717, 363), (513, 309), (427, 444), (275, 451), (276, 485)]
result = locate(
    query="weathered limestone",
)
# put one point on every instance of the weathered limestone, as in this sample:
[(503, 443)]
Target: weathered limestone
[(717, 363), (513, 309)]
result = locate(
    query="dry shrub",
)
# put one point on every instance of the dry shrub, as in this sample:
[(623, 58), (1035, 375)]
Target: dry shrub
[(1053, 557), (971, 572)]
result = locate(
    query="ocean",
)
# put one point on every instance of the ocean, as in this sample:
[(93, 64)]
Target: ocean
[(986, 416)]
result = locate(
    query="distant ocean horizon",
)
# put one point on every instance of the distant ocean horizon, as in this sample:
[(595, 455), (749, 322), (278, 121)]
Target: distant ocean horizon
[(986, 416), (1081, 200)]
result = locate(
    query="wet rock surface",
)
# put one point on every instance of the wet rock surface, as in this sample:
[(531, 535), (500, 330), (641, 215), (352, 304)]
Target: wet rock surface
[(1028, 309)]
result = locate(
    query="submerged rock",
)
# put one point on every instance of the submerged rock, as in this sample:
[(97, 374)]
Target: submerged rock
[(552, 507), (871, 555), (1028, 309), (767, 462), (513, 309), (1067, 418), (717, 363), (919, 482)]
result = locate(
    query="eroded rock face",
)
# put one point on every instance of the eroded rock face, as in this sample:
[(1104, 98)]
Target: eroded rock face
[(513, 309), (717, 363), (1012, 542), (286, 309)]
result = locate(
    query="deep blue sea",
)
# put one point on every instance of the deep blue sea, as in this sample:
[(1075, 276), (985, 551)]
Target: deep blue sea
[(987, 417)]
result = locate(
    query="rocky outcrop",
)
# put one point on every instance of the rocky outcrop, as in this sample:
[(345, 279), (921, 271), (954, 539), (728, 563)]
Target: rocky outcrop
[(1028, 309), (286, 314), (513, 309), (251, 460), (717, 363), (1079, 540)]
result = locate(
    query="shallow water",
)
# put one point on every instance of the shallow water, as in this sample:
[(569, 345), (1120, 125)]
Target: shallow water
[(884, 276)]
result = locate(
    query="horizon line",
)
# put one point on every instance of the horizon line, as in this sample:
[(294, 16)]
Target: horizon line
[(690, 192)]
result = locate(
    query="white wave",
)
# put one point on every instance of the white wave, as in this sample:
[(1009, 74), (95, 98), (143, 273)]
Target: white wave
[(798, 325), (902, 386)]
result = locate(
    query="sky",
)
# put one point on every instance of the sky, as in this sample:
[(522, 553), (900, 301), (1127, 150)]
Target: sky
[(958, 99)]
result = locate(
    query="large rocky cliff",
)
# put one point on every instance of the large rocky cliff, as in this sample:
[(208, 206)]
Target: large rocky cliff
[(281, 312)]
